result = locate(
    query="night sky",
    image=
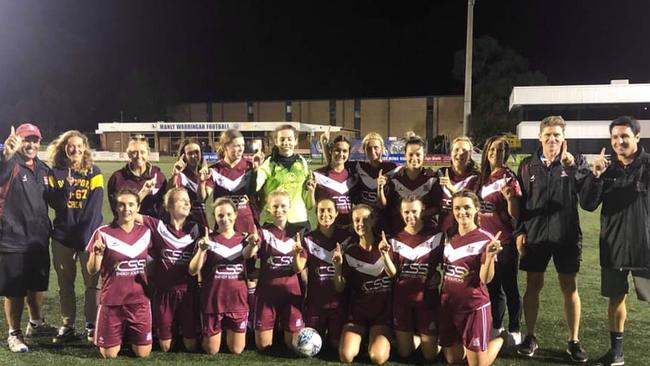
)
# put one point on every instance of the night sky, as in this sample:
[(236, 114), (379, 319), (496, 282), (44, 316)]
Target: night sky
[(71, 64)]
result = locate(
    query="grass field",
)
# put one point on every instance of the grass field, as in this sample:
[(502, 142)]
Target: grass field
[(551, 325)]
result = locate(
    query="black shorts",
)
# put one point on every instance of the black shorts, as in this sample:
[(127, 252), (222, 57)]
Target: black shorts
[(614, 283), (22, 272), (565, 257)]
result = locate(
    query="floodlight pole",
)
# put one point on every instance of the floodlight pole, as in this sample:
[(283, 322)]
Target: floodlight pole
[(467, 100)]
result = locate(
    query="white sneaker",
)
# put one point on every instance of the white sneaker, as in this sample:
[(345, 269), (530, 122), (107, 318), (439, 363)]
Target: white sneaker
[(514, 338), (42, 330), (16, 343), (494, 333)]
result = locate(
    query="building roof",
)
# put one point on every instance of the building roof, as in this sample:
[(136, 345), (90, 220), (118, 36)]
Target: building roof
[(619, 91)]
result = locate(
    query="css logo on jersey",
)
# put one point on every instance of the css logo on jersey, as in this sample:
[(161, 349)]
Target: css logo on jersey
[(369, 196), (342, 202), (415, 270), (325, 272), (455, 273), (280, 261), (176, 257), (131, 267), (228, 271), (378, 285)]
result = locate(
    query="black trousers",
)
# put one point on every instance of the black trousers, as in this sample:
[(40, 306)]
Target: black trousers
[(504, 290)]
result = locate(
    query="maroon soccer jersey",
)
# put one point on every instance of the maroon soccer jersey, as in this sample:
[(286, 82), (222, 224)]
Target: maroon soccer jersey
[(321, 292), (425, 187), (335, 185), (462, 289), (124, 178), (172, 251), (365, 190), (416, 258), (190, 180), (224, 277), (494, 207), (277, 273), (123, 266), (467, 180), (235, 183), (369, 285)]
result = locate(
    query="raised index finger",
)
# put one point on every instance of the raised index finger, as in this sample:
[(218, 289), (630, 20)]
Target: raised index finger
[(496, 237), (564, 147), (602, 152), (13, 131)]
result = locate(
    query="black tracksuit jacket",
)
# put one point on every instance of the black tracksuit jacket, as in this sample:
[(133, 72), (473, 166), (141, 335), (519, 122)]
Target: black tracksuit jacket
[(549, 203), (624, 217)]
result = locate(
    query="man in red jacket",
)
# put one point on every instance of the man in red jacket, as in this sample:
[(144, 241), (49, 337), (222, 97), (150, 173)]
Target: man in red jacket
[(24, 234)]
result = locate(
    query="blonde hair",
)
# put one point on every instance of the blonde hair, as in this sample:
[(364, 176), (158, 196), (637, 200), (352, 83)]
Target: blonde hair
[(373, 136), (277, 193), (135, 139), (168, 198), (471, 164), (226, 138), (58, 156)]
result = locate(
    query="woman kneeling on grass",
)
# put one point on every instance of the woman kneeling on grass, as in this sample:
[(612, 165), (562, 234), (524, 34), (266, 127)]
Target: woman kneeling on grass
[(468, 264), (368, 269), (224, 295), (119, 251)]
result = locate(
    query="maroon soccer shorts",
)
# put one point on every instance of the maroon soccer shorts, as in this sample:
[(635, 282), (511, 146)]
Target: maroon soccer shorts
[(176, 309), (214, 324), (131, 321), (368, 316), (326, 321), (287, 308), (472, 329), (418, 318)]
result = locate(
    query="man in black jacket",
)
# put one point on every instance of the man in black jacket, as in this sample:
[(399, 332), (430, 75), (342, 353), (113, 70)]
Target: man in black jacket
[(549, 227), (24, 234), (622, 187)]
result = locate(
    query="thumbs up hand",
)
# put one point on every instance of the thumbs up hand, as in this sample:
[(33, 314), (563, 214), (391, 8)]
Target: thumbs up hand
[(600, 164), (12, 144), (445, 181)]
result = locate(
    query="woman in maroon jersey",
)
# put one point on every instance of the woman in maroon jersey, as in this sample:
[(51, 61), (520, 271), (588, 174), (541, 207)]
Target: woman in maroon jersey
[(119, 252), (368, 271), (413, 179), (220, 260), (500, 192), (462, 174), (417, 253), (234, 177), (335, 180), (173, 242), (324, 308), (191, 171), (468, 265), (141, 176)]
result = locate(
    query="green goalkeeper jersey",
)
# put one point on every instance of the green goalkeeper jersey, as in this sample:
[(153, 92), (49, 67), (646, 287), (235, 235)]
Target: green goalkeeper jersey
[(272, 176)]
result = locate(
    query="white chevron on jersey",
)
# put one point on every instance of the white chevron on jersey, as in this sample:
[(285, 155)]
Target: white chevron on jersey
[(369, 181), (186, 182), (372, 269), (495, 186), (340, 187), (232, 185), (226, 252), (458, 185), (474, 248), (282, 246), (129, 250), (418, 192), (154, 190), (322, 253), (419, 251), (178, 243)]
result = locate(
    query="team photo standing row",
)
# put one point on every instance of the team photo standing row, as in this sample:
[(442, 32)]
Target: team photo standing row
[(402, 256)]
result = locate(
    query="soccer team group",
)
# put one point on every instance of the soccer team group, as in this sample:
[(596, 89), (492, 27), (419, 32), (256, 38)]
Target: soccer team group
[(401, 256)]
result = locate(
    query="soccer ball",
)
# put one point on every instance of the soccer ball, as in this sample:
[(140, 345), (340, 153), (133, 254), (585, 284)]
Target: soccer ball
[(307, 342)]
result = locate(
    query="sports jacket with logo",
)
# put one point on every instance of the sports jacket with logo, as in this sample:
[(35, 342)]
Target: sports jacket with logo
[(549, 202), (624, 217), (24, 220)]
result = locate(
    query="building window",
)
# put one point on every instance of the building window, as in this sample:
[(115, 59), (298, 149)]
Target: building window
[(250, 112), (287, 110), (333, 112)]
